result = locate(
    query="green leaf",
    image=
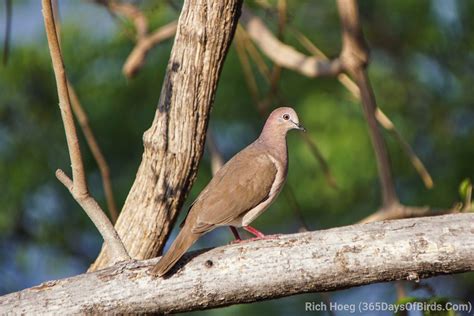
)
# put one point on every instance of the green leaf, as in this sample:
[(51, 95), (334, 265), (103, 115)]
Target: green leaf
[(463, 188)]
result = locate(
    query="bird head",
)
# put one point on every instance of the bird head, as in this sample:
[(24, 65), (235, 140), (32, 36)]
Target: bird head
[(285, 118)]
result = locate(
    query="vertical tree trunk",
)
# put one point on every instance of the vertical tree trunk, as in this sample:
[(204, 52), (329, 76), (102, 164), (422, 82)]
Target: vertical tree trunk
[(174, 143)]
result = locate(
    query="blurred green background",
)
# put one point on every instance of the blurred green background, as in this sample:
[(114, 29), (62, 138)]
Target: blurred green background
[(422, 71)]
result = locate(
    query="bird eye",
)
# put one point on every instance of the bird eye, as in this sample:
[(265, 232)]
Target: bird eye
[(286, 117)]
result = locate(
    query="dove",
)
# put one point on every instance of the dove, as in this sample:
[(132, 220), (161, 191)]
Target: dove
[(240, 191)]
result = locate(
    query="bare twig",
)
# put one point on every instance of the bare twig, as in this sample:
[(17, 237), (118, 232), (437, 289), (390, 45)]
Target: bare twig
[(83, 120), (136, 59), (144, 41), (354, 58), (131, 12), (78, 185), (104, 170), (285, 55), (381, 117), (8, 24)]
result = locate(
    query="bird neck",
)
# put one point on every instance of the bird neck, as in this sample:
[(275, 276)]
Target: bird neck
[(274, 141)]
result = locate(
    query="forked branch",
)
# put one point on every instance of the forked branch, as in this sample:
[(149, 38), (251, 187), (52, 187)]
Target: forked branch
[(78, 185)]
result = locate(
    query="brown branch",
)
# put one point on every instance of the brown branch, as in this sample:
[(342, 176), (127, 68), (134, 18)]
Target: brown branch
[(354, 58), (381, 117), (131, 12), (99, 157), (144, 41), (285, 55), (83, 120), (319, 261), (136, 59), (78, 185)]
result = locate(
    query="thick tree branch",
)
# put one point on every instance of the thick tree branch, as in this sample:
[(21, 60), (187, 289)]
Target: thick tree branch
[(175, 141), (78, 185), (318, 261)]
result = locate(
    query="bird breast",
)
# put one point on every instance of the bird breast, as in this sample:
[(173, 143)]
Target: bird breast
[(277, 185)]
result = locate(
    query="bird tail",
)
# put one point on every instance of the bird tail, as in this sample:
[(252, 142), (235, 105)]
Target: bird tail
[(179, 246)]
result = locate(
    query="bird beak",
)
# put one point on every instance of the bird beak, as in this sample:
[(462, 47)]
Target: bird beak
[(299, 126)]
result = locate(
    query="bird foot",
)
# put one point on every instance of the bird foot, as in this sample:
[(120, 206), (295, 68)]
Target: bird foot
[(264, 237)]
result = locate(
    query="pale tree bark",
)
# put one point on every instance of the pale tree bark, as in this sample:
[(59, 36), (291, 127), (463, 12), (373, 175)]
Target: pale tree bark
[(175, 141), (253, 271)]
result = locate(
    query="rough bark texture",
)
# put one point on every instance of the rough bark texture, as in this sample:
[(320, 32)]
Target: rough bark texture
[(247, 272), (175, 141)]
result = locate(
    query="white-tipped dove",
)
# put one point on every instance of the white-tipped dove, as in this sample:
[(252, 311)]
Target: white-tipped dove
[(241, 190)]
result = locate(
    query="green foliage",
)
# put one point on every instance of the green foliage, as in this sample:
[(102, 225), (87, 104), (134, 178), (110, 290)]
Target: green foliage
[(464, 187)]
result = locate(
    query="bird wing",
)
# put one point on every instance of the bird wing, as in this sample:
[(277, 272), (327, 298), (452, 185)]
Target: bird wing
[(240, 185)]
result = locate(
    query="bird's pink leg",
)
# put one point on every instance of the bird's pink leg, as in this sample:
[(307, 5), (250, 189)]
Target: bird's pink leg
[(253, 231), (236, 234), (258, 234)]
